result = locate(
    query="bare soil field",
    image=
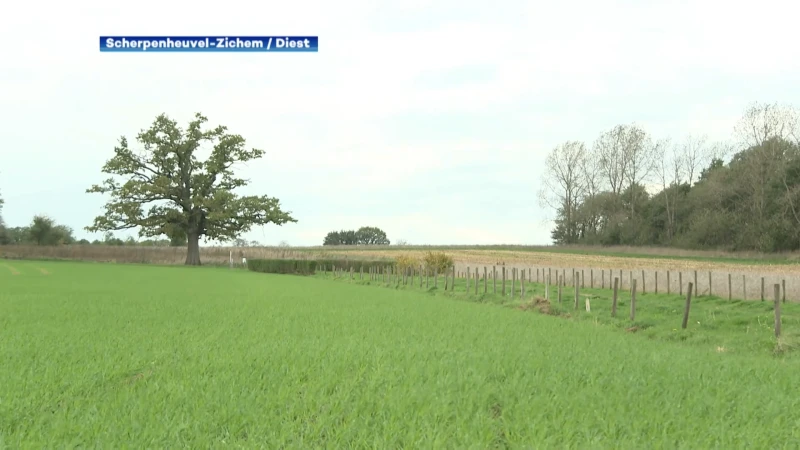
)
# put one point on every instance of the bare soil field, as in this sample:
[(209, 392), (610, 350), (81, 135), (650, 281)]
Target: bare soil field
[(745, 279)]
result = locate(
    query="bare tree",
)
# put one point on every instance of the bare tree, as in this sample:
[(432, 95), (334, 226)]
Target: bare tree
[(763, 122), (592, 172), (765, 129), (610, 150), (640, 153), (696, 155), (564, 184), (670, 170)]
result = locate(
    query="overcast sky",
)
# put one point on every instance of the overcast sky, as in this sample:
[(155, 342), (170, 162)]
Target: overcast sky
[(429, 119)]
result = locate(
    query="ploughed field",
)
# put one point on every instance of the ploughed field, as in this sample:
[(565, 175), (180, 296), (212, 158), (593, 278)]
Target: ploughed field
[(119, 356)]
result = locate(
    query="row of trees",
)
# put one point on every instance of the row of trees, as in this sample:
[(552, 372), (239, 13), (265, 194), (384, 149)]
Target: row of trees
[(628, 188), (41, 231), (44, 230), (362, 236)]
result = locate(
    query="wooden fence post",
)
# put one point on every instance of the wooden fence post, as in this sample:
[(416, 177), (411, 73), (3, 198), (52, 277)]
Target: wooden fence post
[(583, 280), (633, 300), (546, 287), (477, 277), (577, 291), (680, 283), (513, 280), (710, 283), (744, 288), (559, 283), (783, 283), (644, 285), (686, 308), (614, 301), (504, 281), (730, 287), (591, 278), (485, 281), (777, 310), (762, 289), (669, 289), (494, 278)]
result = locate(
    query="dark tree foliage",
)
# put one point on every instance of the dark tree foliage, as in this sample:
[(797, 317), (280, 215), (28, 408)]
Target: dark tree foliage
[(750, 203), (362, 236)]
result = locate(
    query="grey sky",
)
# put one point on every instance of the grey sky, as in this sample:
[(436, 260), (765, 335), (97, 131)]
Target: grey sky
[(429, 119)]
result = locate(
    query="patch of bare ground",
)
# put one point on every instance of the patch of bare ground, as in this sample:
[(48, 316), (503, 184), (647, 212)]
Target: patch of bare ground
[(537, 304)]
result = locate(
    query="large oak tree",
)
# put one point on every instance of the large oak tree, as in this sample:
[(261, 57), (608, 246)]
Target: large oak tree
[(165, 189)]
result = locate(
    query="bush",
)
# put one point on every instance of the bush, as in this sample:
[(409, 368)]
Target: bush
[(283, 266), (437, 261), (356, 264), (405, 262)]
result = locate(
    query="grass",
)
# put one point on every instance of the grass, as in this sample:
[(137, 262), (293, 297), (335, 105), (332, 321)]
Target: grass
[(115, 356), (729, 326)]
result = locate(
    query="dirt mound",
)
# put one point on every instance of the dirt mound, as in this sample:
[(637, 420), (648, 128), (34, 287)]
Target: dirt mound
[(538, 303)]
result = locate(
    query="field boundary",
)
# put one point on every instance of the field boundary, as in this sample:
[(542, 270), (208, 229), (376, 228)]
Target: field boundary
[(573, 303), (222, 254)]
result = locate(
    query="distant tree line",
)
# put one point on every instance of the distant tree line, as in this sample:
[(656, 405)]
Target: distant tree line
[(629, 189), (44, 230), (362, 236)]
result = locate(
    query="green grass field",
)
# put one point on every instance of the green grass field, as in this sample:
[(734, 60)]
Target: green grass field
[(125, 356), (730, 326)]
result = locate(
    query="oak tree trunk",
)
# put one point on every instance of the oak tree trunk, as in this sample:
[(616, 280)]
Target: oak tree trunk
[(193, 252)]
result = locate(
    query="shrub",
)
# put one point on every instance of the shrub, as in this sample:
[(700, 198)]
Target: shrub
[(356, 264), (283, 266), (405, 262), (437, 261)]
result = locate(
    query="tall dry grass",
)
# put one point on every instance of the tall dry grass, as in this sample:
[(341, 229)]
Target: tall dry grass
[(588, 249), (220, 255), (150, 255)]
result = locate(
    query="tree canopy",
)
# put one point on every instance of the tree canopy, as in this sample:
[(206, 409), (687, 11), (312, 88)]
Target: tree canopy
[(362, 236), (187, 198), (628, 189)]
